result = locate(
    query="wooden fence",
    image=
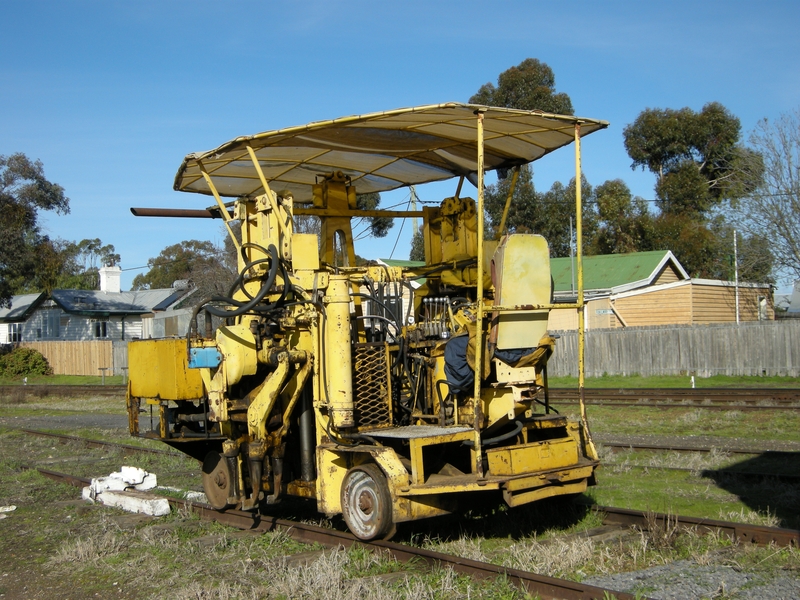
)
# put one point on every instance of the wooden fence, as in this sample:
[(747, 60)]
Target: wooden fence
[(756, 348), (77, 358)]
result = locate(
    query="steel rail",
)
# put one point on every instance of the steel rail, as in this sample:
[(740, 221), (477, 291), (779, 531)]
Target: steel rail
[(69, 391), (531, 583), (708, 398), (710, 473), (546, 587), (703, 397), (705, 472), (680, 448), (740, 532), (667, 405), (99, 443)]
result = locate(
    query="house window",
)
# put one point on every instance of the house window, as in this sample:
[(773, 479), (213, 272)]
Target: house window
[(14, 332), (101, 329), (50, 321)]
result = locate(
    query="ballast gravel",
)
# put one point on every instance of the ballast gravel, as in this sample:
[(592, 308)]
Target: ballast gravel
[(686, 580)]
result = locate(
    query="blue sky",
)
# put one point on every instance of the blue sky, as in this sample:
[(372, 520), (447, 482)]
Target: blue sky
[(110, 96)]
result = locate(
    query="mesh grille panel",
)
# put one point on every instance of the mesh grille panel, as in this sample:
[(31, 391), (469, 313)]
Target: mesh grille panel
[(371, 385)]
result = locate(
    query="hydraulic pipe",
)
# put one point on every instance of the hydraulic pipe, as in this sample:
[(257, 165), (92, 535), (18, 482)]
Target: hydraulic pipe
[(307, 437)]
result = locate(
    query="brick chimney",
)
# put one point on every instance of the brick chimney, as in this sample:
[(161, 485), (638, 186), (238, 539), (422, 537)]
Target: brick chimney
[(110, 279)]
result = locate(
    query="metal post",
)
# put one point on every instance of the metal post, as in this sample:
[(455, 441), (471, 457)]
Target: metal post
[(736, 273), (581, 312), (506, 208), (223, 210), (479, 317)]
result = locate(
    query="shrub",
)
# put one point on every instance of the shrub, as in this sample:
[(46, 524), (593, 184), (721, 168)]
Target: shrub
[(22, 362)]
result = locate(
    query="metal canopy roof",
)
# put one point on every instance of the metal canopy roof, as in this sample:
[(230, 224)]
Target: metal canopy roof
[(381, 151)]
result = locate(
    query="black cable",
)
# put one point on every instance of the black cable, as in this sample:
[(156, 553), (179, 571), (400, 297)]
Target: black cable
[(273, 273), (500, 438)]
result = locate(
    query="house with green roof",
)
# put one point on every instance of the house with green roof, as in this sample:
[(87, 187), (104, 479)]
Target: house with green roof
[(641, 289), (651, 289), (617, 272)]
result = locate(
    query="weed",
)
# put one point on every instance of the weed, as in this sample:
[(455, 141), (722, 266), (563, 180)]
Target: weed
[(752, 517)]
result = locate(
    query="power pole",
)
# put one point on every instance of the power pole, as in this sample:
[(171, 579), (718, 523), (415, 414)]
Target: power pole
[(414, 223)]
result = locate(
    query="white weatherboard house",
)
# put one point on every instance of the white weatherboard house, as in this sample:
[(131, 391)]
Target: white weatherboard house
[(74, 315)]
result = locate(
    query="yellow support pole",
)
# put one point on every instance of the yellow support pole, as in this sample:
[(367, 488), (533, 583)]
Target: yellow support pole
[(222, 208), (511, 189), (476, 449), (268, 192), (581, 305)]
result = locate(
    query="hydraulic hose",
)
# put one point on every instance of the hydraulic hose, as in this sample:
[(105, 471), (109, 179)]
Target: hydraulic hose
[(499, 438), (273, 273)]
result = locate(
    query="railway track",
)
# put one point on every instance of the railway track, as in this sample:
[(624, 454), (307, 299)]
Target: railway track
[(531, 583), (625, 445), (66, 391), (706, 398), (712, 473), (90, 443)]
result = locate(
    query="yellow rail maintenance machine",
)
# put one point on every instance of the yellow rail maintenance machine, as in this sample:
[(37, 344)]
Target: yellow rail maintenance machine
[(382, 399)]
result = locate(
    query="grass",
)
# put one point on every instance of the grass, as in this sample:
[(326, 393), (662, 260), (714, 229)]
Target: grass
[(103, 552), (767, 425), (606, 381)]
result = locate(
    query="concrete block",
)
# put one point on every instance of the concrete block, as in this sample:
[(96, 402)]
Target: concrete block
[(134, 501), (136, 477), (196, 497), (125, 478), (104, 484)]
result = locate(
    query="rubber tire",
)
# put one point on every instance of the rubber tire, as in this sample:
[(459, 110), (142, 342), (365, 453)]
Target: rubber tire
[(367, 503)]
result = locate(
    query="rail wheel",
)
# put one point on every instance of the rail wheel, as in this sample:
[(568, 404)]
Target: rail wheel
[(367, 503), (217, 480)]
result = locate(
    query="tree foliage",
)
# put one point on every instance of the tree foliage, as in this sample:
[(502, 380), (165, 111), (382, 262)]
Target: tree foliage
[(22, 362), (700, 164), (546, 213), (417, 247), (696, 157), (68, 265), (24, 191), (625, 223), (528, 86), (772, 211), (378, 226), (178, 261)]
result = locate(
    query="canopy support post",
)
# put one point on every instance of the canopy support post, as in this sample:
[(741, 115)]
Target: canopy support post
[(590, 449), (511, 189), (223, 210), (268, 192), (476, 448)]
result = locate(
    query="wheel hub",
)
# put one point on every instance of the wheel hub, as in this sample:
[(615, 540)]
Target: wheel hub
[(365, 503), (216, 480)]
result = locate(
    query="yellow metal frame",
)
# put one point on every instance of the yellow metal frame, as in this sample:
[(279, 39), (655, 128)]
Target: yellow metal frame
[(324, 334)]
